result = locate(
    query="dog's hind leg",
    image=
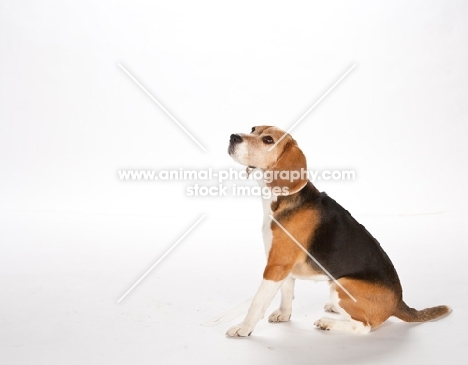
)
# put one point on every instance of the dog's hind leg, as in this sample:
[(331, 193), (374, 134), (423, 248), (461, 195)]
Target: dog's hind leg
[(370, 305), (330, 307)]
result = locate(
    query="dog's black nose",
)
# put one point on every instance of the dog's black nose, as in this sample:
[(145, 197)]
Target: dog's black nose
[(235, 138)]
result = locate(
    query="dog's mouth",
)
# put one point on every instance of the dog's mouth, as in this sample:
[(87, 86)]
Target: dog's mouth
[(249, 170)]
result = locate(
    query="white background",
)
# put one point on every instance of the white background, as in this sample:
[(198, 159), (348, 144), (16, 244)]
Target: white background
[(74, 238)]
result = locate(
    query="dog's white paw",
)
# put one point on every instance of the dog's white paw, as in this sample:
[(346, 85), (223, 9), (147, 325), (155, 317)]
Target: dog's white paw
[(279, 316), (350, 326), (329, 307), (239, 330), (324, 324)]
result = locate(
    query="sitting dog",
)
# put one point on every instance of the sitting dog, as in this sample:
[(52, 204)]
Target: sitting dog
[(307, 235)]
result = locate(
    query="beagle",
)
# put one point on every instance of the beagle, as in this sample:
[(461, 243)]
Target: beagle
[(308, 235)]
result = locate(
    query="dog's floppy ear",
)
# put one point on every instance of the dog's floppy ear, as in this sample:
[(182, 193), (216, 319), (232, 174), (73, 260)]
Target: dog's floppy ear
[(289, 173)]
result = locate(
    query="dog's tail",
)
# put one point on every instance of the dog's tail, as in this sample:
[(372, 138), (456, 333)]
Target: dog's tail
[(408, 314)]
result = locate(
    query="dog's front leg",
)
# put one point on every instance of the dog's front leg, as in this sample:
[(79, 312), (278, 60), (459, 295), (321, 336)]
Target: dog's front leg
[(260, 302), (283, 313)]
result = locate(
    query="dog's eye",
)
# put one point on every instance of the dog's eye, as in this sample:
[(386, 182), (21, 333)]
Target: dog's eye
[(268, 140), (253, 130)]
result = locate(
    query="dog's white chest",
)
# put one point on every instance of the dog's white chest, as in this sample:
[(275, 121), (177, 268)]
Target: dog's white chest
[(267, 213), (266, 228)]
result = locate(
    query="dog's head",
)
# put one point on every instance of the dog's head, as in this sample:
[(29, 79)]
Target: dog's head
[(284, 165)]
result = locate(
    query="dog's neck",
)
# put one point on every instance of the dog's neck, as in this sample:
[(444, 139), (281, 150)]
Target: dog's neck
[(262, 184)]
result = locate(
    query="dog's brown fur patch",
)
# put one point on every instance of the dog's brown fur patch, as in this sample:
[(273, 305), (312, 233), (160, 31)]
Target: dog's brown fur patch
[(375, 303), (285, 252)]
